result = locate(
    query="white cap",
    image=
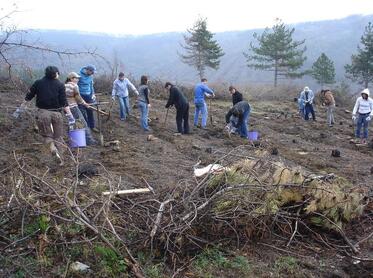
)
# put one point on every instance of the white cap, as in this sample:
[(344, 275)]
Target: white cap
[(365, 91), (306, 89)]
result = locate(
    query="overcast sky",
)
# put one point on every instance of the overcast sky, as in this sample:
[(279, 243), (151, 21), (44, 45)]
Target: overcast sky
[(157, 16)]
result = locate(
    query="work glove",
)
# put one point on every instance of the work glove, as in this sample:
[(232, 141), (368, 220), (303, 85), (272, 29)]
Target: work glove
[(354, 117), (93, 98), (70, 118), (113, 98), (368, 118)]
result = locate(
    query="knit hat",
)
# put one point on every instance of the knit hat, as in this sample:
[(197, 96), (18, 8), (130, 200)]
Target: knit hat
[(365, 91), (72, 75), (306, 89)]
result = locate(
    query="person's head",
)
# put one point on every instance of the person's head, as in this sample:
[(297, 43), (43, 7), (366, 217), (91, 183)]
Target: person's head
[(204, 80), (365, 93), (144, 80), (168, 85), (121, 76), (72, 77), (90, 69), (232, 90), (306, 89), (52, 72)]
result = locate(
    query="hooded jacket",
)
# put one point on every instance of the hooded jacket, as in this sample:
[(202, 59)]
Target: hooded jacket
[(85, 83), (363, 106), (309, 96)]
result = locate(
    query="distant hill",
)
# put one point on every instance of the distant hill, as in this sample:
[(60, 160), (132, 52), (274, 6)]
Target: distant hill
[(156, 55)]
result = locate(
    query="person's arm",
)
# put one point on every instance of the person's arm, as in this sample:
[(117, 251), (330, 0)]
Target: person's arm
[(311, 97), (171, 100), (132, 87), (78, 97), (146, 94), (62, 96), (114, 91), (228, 115), (207, 90), (32, 92), (371, 107), (356, 107)]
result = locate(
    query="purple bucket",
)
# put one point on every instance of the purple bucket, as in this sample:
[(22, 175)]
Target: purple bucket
[(253, 135), (77, 138)]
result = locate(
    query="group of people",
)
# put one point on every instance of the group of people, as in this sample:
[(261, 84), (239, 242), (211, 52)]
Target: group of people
[(77, 96), (362, 112)]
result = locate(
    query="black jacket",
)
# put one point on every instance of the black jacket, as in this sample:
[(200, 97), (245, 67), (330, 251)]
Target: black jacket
[(236, 97), (176, 98), (50, 94), (238, 110)]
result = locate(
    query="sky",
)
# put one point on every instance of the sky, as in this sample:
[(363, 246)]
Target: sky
[(136, 17)]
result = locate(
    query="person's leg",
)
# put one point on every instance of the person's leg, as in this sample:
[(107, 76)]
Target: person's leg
[(79, 117), (179, 118), (365, 127), (312, 112), (57, 124), (83, 110), (122, 111), (244, 133), (332, 114), (127, 106), (204, 115), (43, 121), (329, 115), (196, 113), (358, 126), (186, 119), (144, 115), (306, 112), (89, 112)]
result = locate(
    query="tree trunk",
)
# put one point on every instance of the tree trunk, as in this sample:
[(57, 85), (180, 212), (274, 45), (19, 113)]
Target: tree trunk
[(366, 83), (276, 73)]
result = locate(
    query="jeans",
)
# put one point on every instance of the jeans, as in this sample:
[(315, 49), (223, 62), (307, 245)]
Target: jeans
[(242, 128), (88, 113), (124, 106), (307, 110), (201, 108), (79, 117), (144, 114), (182, 119), (329, 114), (362, 123)]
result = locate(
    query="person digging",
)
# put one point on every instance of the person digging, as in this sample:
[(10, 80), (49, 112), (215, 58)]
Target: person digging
[(50, 101), (362, 115), (181, 104), (241, 111)]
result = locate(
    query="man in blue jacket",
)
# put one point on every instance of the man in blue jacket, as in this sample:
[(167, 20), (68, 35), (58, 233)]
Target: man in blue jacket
[(199, 100), (88, 93)]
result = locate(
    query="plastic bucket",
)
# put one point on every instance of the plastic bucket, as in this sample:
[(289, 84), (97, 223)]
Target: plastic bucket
[(253, 135), (77, 138)]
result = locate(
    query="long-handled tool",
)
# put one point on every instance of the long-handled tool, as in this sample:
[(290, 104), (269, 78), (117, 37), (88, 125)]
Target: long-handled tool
[(110, 107), (101, 139), (211, 121), (165, 118), (98, 110)]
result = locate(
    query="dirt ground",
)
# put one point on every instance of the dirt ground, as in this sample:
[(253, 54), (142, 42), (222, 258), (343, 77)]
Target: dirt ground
[(169, 159)]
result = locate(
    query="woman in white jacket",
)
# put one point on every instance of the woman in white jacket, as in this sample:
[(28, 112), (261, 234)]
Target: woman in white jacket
[(362, 114)]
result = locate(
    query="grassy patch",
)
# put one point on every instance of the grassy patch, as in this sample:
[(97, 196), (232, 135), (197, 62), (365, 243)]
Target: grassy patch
[(111, 264), (212, 262), (287, 265)]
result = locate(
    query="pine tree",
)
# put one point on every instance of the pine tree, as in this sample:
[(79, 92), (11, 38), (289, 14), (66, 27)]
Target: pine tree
[(361, 68), (202, 51), (323, 70), (277, 52)]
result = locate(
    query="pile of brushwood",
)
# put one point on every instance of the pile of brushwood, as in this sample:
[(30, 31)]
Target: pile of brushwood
[(253, 198)]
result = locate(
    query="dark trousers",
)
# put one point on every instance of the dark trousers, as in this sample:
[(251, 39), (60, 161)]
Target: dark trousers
[(182, 114), (88, 113), (307, 110)]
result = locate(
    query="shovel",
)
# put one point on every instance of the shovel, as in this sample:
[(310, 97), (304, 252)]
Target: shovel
[(165, 118), (211, 121), (101, 139)]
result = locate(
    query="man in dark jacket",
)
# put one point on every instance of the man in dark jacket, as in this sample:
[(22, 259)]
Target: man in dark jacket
[(240, 110), (50, 101), (236, 95), (181, 104)]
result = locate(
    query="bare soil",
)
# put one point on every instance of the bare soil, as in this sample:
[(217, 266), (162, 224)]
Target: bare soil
[(169, 159)]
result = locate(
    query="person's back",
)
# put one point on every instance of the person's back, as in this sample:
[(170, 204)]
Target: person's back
[(50, 93), (199, 92), (85, 83), (179, 100), (329, 98)]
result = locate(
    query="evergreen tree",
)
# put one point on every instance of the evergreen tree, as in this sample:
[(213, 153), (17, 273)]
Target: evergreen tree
[(277, 52), (361, 68), (323, 70), (202, 51)]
